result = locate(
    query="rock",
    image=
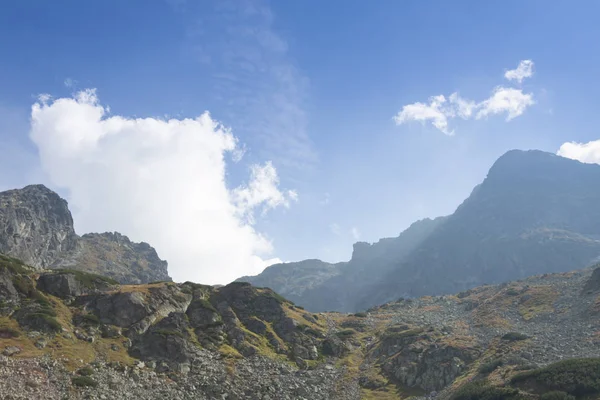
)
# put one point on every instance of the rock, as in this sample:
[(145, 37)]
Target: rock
[(593, 283), (11, 351), (36, 227)]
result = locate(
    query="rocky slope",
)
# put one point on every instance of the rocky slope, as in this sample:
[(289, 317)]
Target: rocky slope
[(72, 335), (36, 226), (534, 213)]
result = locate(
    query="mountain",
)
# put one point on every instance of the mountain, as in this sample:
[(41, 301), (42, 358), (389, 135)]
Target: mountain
[(320, 286), (534, 213), (68, 334), (37, 227)]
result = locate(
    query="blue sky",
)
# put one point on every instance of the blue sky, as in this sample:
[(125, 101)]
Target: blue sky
[(313, 88)]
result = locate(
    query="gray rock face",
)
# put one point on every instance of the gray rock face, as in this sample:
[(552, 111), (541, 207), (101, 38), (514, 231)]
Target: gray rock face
[(36, 227)]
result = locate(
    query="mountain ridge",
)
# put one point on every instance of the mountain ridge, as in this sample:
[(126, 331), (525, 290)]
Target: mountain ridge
[(535, 212)]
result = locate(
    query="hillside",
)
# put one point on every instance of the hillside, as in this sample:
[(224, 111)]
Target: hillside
[(73, 335), (37, 227), (534, 213)]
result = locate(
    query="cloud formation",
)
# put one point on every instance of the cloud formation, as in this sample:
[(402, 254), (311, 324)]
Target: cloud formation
[(159, 181), (585, 152), (524, 70), (440, 109)]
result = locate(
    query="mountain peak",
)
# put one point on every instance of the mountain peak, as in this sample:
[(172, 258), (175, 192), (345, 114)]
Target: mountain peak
[(37, 227)]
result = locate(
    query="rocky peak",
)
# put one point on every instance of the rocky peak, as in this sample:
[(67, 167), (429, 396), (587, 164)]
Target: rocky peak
[(37, 227)]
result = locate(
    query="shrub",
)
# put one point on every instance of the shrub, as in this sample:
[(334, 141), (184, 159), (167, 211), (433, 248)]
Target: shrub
[(512, 292), (308, 330), (345, 334), (167, 332), (578, 377), (361, 315), (490, 366), (8, 333), (481, 390), (514, 336), (87, 279), (556, 395), (280, 299), (43, 322), (90, 318), (204, 304), (84, 381), (393, 334), (85, 371)]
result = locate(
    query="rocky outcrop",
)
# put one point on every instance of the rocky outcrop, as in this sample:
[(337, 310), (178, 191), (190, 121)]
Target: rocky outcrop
[(114, 255), (36, 226), (417, 358), (593, 284), (71, 283), (136, 309)]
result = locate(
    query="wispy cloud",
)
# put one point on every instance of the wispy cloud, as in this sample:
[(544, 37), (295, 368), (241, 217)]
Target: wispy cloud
[(355, 233), (440, 109), (261, 90), (70, 83)]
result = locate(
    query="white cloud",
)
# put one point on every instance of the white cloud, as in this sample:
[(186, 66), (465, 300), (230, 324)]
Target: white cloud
[(511, 101), (261, 192), (335, 229), (585, 152), (440, 109), (355, 233), (160, 181), (434, 112), (524, 70), (326, 200)]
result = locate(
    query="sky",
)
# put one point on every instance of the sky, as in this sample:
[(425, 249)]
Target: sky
[(234, 134)]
